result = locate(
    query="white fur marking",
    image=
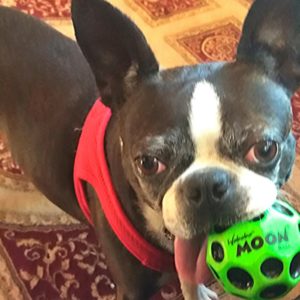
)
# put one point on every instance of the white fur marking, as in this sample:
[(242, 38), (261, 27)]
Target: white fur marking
[(205, 118), (260, 190)]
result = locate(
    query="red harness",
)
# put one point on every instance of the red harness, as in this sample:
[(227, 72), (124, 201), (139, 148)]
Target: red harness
[(90, 166)]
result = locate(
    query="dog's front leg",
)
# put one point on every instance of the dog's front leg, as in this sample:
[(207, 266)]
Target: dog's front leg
[(197, 292)]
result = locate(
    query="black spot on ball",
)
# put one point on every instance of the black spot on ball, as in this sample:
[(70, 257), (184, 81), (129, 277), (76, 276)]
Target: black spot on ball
[(217, 251), (274, 291), (272, 267), (240, 278), (295, 266), (282, 209)]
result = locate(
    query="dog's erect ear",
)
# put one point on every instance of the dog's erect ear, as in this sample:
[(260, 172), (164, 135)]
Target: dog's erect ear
[(115, 48), (271, 39)]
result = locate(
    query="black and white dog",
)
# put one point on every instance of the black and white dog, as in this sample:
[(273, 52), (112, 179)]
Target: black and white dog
[(170, 153)]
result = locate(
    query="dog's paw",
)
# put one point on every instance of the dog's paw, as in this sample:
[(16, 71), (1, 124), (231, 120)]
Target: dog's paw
[(205, 293)]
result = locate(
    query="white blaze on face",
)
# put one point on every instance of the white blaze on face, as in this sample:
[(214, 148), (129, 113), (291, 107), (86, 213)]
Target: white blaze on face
[(206, 132), (205, 119)]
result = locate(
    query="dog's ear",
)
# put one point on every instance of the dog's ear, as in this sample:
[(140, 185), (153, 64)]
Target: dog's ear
[(115, 48), (271, 40)]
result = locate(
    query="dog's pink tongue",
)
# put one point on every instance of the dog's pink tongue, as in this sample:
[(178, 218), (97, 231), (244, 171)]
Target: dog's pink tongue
[(190, 260)]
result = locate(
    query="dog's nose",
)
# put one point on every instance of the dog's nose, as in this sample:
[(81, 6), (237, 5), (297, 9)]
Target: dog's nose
[(213, 184)]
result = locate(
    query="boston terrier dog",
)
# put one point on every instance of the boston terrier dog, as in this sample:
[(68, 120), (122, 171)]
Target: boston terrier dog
[(152, 158)]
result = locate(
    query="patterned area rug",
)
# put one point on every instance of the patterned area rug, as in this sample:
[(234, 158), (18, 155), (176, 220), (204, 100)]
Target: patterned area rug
[(44, 253)]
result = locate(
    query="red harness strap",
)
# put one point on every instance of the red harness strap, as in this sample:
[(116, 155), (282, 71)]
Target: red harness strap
[(90, 166)]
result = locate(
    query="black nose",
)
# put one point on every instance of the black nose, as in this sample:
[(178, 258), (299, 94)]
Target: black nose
[(213, 184)]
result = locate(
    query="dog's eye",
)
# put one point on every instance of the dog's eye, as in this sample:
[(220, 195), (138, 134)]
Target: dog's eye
[(262, 152), (149, 165)]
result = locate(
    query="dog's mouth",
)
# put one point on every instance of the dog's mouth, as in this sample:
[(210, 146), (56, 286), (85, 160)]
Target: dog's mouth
[(190, 260), (190, 254)]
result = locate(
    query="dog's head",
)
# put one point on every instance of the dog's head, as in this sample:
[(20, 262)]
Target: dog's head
[(201, 145)]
